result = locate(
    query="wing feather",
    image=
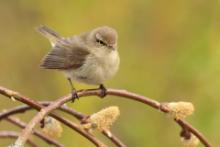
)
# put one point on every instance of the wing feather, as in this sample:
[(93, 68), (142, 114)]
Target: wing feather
[(66, 54)]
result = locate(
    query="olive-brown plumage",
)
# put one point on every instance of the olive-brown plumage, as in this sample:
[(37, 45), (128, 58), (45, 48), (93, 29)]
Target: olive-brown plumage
[(90, 57)]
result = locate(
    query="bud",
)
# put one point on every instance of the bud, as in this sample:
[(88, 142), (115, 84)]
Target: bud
[(180, 110), (193, 141), (52, 127), (103, 119)]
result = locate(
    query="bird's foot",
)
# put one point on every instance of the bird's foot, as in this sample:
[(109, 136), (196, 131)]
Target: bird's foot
[(103, 91), (74, 95)]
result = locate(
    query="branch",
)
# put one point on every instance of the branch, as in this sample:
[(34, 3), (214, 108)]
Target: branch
[(12, 134), (72, 112), (68, 123), (15, 95), (81, 116), (21, 124), (92, 92), (40, 116), (114, 139), (24, 108)]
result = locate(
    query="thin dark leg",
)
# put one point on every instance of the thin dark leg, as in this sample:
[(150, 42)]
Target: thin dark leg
[(103, 90), (42, 123), (73, 90)]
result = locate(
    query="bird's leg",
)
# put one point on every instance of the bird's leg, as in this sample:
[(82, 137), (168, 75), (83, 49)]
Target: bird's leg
[(103, 90), (73, 90), (42, 123)]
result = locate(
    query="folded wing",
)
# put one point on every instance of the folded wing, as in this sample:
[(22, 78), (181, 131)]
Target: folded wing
[(65, 55)]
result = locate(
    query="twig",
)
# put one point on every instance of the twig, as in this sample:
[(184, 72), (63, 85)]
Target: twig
[(114, 139), (78, 115), (39, 116), (190, 128), (44, 111), (24, 108), (12, 134), (81, 116), (21, 124), (115, 92), (15, 95), (78, 129)]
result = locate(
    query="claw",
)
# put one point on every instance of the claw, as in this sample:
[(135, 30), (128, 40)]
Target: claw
[(73, 92), (103, 91), (42, 123), (74, 96)]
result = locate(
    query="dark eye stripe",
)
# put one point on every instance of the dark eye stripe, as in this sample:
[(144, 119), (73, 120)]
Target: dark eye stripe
[(101, 42)]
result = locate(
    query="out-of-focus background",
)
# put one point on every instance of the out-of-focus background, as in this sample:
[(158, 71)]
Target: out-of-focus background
[(169, 52)]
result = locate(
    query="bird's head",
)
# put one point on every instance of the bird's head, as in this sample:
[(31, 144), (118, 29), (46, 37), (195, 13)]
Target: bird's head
[(104, 37)]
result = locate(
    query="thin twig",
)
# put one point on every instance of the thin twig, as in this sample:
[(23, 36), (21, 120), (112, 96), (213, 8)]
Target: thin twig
[(114, 139), (42, 113), (114, 92), (39, 116), (15, 95), (24, 108), (47, 139), (21, 109), (14, 135), (81, 116), (64, 108), (78, 129)]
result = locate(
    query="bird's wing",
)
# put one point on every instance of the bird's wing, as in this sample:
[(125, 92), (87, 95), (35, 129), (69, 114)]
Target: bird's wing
[(66, 54)]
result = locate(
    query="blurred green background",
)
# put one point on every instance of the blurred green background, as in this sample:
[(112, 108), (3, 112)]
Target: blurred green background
[(169, 51)]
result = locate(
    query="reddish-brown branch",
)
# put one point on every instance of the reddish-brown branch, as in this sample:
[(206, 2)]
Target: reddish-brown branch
[(26, 132), (115, 92), (190, 128), (21, 124), (15, 95), (40, 115), (81, 116), (114, 139), (78, 115), (78, 129), (23, 108), (14, 135)]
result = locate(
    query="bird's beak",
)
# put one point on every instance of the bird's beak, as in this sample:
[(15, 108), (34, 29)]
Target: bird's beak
[(112, 47)]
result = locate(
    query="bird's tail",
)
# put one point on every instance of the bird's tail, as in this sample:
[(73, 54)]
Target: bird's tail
[(49, 34)]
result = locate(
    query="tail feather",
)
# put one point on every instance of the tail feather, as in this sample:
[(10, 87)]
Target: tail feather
[(48, 33)]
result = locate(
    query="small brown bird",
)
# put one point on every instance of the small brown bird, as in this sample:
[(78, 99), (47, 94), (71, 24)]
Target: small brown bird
[(90, 57)]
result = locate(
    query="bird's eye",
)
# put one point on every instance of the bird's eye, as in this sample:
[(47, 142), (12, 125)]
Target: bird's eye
[(101, 42)]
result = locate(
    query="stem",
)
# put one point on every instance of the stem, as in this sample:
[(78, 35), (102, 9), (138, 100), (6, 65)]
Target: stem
[(47, 139), (92, 92), (12, 134), (72, 112), (9, 93)]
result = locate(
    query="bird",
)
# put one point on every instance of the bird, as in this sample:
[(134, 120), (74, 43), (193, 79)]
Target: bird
[(90, 57)]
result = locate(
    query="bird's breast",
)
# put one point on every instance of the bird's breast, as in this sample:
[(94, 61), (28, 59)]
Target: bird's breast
[(98, 67), (109, 64)]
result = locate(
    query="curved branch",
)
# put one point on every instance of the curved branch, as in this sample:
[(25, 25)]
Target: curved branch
[(40, 116), (12, 134), (97, 92), (24, 108), (76, 114), (78, 129), (15, 95), (35, 132)]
